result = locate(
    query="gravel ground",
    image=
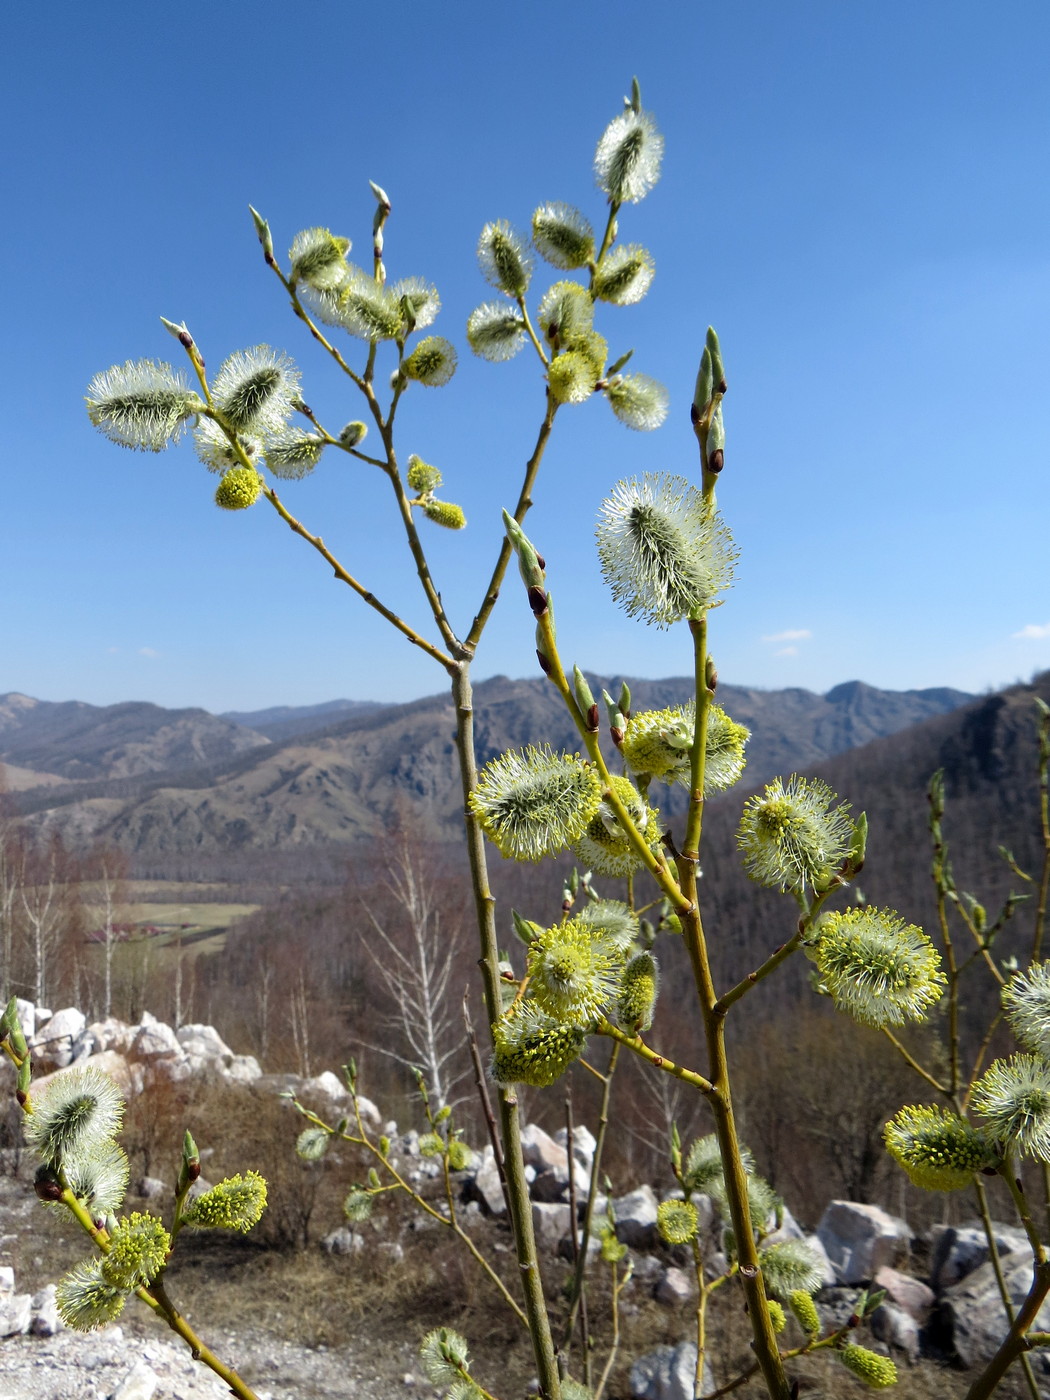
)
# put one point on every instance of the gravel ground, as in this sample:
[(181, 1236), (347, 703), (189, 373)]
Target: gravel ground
[(119, 1362)]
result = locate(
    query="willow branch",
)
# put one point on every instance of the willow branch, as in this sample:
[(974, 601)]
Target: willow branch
[(344, 577)]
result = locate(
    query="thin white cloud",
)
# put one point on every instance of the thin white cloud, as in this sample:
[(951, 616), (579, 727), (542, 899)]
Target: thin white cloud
[(786, 651), (148, 651), (112, 651), (1034, 632), (797, 634)]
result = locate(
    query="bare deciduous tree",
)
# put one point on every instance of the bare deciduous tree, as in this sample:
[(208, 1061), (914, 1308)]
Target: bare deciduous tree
[(414, 959)]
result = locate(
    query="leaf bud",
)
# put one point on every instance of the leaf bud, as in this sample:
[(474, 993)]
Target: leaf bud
[(854, 862), (617, 719), (11, 1029), (529, 565), (180, 332), (262, 230), (618, 365), (705, 385), (525, 928), (718, 371), (373, 1178), (584, 697), (716, 433), (381, 195), (710, 675), (191, 1162)]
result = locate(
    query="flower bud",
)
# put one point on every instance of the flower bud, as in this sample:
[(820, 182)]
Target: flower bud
[(504, 258), (877, 1371), (805, 1310), (432, 362), (312, 1143), (353, 434), (446, 514), (421, 476), (139, 1247), (318, 258), (638, 990), (239, 488), (677, 1221), (237, 1203)]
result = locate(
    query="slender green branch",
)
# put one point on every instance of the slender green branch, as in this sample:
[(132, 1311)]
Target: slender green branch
[(577, 1287), (200, 1352), (510, 1119), (344, 577), (639, 1047), (698, 752), (522, 508), (1044, 821), (913, 1063), (531, 332), (607, 237), (778, 956), (556, 674), (317, 334)]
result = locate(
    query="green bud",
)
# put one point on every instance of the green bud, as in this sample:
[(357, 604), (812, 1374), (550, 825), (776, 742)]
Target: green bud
[(525, 928), (431, 1145), (384, 1146), (618, 365), (718, 371), (443, 1113), (777, 1316), (584, 696), (381, 195), (855, 858), (262, 230), (705, 385), (373, 1179), (617, 719), (716, 434), (529, 565)]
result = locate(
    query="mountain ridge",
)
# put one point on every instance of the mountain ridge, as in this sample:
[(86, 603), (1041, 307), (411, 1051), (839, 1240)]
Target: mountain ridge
[(358, 773)]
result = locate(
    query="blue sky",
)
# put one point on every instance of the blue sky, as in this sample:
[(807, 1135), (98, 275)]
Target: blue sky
[(855, 195)]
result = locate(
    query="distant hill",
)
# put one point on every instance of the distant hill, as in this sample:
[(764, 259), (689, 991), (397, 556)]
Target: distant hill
[(359, 773), (79, 742), (286, 721)]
